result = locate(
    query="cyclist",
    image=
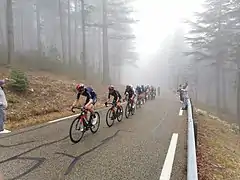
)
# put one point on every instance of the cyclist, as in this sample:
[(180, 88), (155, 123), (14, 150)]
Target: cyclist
[(139, 92), (91, 99), (146, 90), (116, 97), (130, 91)]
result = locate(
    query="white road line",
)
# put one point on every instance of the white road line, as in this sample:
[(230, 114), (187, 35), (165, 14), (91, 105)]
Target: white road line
[(62, 119), (5, 131), (168, 163), (180, 112), (72, 116)]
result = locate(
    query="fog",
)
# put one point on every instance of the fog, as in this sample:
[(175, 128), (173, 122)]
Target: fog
[(158, 42)]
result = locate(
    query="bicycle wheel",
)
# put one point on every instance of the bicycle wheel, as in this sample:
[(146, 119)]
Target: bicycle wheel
[(120, 113), (109, 120), (139, 103), (94, 128), (78, 126), (133, 110), (127, 111)]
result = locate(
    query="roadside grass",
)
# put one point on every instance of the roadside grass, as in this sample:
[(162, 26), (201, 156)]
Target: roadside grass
[(218, 152)]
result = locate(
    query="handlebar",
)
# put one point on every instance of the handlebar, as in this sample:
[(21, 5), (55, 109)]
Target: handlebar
[(106, 104), (81, 108)]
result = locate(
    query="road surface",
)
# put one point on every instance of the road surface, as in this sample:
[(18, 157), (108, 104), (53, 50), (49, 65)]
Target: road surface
[(134, 149)]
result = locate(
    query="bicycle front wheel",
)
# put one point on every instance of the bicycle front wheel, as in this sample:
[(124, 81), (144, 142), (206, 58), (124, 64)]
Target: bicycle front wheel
[(109, 120), (127, 111), (77, 126)]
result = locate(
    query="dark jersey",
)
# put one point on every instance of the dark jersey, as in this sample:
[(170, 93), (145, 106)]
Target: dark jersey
[(130, 92), (115, 95), (138, 90), (88, 93)]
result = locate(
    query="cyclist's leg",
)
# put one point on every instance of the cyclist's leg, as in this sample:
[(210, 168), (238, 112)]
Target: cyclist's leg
[(134, 100), (93, 116), (89, 105), (114, 103)]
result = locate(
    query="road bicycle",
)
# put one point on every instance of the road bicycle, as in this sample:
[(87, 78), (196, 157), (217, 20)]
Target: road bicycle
[(82, 124), (129, 110), (139, 101), (115, 112)]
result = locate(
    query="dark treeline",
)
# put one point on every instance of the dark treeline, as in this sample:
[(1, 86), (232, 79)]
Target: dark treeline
[(215, 49), (72, 36)]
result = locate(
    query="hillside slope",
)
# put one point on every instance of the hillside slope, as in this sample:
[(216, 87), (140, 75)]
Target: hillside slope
[(48, 97)]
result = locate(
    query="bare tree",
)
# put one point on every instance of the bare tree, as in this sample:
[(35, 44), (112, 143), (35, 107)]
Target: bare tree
[(10, 35)]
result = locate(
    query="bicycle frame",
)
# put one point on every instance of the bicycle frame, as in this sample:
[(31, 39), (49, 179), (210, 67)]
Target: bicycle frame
[(83, 117)]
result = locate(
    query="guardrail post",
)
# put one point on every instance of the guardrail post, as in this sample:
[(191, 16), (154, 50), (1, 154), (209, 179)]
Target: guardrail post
[(191, 152)]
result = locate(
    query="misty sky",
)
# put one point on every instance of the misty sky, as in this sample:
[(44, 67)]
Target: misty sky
[(158, 18)]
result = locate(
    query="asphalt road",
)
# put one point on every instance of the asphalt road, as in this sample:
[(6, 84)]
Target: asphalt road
[(133, 149)]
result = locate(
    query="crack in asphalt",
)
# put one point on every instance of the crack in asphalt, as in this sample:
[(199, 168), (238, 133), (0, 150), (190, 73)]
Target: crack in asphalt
[(38, 160), (77, 158), (32, 149), (13, 145)]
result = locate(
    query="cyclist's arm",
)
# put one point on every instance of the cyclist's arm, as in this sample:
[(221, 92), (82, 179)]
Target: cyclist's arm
[(109, 95), (75, 103), (126, 94), (126, 91), (134, 93), (119, 95)]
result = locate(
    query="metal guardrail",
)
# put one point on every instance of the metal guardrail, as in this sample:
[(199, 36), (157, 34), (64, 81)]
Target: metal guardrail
[(192, 173)]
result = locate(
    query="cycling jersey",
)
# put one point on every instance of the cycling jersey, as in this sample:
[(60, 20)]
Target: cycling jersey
[(138, 90), (115, 95), (130, 91), (89, 94)]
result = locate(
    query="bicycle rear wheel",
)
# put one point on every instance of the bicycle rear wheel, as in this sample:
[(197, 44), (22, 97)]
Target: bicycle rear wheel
[(133, 110), (78, 126), (94, 128), (109, 120)]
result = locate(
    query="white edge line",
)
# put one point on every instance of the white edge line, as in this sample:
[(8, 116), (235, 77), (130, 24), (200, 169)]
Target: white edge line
[(180, 112), (72, 116), (168, 163), (62, 119)]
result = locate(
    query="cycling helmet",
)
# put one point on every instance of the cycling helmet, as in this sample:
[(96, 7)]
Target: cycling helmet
[(111, 87), (80, 87)]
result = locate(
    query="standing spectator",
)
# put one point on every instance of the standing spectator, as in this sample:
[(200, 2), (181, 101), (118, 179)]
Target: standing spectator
[(180, 91), (185, 86), (3, 104)]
